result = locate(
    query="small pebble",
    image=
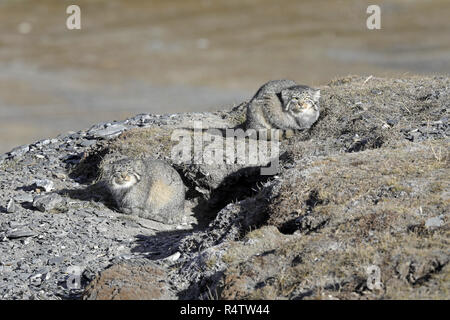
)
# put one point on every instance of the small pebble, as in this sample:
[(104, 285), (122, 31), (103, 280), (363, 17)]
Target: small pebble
[(45, 184), (11, 207)]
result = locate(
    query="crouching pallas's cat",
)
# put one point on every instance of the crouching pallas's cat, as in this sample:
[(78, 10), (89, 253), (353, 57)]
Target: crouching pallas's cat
[(283, 104), (147, 188)]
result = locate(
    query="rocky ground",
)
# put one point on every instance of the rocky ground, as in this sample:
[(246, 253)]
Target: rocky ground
[(358, 210)]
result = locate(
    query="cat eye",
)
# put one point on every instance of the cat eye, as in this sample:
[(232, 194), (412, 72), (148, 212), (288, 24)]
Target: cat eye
[(309, 102)]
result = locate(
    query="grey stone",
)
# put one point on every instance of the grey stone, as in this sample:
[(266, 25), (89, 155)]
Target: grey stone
[(44, 184), (20, 233), (49, 202), (11, 206), (60, 175), (75, 136), (15, 224), (42, 143), (24, 198), (19, 151), (102, 228), (392, 122), (96, 127), (36, 279), (87, 143), (3, 157), (434, 222), (415, 135), (71, 149), (42, 274), (174, 257), (55, 260), (109, 132), (140, 119)]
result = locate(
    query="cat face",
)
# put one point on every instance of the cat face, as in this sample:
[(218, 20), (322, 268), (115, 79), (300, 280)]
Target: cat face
[(124, 174), (299, 101)]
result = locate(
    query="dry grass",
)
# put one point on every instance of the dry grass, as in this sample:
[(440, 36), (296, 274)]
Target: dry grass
[(374, 204)]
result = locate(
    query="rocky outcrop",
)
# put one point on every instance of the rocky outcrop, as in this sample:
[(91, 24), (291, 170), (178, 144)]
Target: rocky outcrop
[(358, 209), (130, 282)]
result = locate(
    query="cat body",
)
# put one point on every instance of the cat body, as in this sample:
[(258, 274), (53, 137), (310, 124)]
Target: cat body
[(283, 104), (147, 188)]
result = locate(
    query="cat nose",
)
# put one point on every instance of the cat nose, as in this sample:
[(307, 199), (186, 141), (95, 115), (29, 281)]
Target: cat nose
[(123, 174)]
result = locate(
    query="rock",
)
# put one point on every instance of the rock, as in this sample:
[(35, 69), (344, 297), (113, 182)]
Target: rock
[(11, 206), (25, 198), (60, 175), (49, 202), (73, 281), (42, 143), (3, 157), (102, 228), (130, 282), (141, 119), (55, 261), (87, 143), (391, 122), (15, 224), (75, 136), (174, 257), (20, 233), (39, 276), (19, 151), (109, 132), (45, 184), (434, 222)]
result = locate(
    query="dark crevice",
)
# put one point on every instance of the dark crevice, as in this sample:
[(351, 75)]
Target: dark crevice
[(240, 185), (86, 168)]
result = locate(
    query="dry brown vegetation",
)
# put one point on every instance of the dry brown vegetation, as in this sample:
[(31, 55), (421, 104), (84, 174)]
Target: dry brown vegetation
[(349, 216)]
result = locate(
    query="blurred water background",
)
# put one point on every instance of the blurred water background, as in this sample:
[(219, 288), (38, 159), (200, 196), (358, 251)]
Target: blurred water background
[(160, 56)]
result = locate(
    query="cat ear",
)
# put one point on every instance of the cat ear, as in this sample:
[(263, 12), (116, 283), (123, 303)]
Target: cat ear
[(316, 95)]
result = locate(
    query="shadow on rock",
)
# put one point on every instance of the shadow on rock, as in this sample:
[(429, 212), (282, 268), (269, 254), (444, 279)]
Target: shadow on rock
[(161, 245), (239, 185)]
